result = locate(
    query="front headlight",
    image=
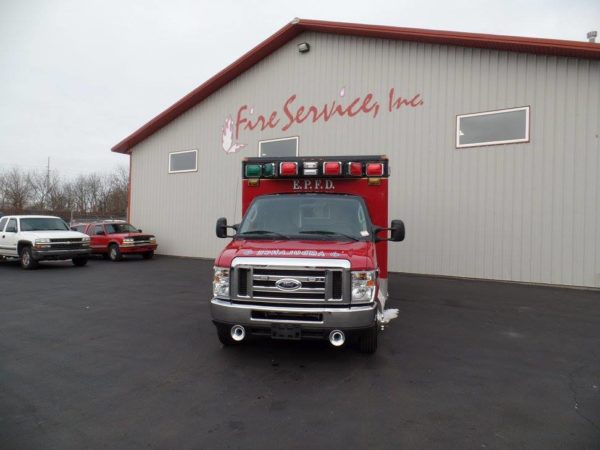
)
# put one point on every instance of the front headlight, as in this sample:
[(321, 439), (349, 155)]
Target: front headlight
[(364, 285), (42, 243), (85, 239), (152, 239), (221, 282)]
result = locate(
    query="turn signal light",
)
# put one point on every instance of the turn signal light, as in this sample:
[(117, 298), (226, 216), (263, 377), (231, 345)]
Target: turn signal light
[(355, 169), (374, 169), (332, 168), (288, 169)]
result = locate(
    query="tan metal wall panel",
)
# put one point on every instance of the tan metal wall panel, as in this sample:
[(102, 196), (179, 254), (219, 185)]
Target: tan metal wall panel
[(522, 212)]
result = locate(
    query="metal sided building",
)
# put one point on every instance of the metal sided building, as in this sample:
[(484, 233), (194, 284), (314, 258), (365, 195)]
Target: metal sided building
[(493, 141)]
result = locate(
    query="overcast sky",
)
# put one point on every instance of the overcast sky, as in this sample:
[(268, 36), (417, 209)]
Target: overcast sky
[(78, 76)]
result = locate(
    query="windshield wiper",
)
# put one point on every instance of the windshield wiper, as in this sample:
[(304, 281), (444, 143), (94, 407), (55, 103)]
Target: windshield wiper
[(274, 233), (330, 233)]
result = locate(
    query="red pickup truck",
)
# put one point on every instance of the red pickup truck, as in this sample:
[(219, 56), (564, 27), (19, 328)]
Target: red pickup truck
[(113, 239)]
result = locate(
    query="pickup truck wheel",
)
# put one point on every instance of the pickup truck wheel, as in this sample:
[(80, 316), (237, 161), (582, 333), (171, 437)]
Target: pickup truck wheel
[(224, 334), (148, 255), (27, 261), (367, 343), (114, 254), (79, 262)]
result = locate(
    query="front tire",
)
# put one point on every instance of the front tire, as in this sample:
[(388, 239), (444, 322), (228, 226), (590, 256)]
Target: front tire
[(367, 342), (148, 255), (79, 262), (114, 253), (27, 261)]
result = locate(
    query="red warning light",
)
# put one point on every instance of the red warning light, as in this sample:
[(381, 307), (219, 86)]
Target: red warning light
[(355, 169), (288, 169), (332, 168), (374, 169)]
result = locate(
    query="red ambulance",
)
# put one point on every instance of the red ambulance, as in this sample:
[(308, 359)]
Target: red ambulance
[(309, 258)]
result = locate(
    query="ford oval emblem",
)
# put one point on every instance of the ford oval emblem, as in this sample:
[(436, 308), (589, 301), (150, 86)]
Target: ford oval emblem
[(288, 284)]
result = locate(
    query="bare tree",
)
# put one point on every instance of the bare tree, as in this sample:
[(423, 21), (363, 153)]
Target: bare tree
[(2, 182), (80, 197), (95, 193), (59, 196), (119, 193), (42, 186), (17, 189)]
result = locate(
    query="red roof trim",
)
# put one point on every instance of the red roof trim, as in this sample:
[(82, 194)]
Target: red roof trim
[(553, 47)]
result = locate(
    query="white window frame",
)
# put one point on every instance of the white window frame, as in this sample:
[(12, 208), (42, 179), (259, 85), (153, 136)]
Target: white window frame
[(276, 140), (487, 113), (186, 170)]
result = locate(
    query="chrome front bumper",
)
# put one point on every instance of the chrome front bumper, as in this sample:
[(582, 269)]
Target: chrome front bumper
[(252, 315), (42, 254)]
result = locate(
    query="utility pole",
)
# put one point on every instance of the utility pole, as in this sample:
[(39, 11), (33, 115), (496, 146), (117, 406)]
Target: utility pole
[(47, 190)]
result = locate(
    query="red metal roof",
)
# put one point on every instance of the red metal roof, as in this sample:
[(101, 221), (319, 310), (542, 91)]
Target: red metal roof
[(553, 47)]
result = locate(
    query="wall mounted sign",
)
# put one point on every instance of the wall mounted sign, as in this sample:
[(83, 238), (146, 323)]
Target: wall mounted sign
[(293, 112)]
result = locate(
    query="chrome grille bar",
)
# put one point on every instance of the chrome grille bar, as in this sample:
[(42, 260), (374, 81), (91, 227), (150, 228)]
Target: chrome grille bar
[(320, 280)]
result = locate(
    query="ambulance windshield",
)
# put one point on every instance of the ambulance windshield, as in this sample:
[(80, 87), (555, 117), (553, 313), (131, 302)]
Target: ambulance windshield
[(307, 216)]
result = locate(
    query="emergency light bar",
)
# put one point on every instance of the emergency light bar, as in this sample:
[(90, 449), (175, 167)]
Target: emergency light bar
[(314, 167)]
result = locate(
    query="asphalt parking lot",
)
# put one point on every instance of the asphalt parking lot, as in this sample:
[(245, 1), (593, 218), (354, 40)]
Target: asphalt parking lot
[(123, 355)]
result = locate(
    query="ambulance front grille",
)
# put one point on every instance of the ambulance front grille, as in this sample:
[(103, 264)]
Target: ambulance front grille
[(288, 284)]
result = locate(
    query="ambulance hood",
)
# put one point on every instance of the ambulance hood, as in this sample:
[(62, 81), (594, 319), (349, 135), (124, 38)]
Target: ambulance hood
[(361, 254)]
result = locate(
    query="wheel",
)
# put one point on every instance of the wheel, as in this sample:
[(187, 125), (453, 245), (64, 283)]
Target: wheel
[(224, 334), (114, 253), (367, 342), (27, 261), (80, 261), (148, 255)]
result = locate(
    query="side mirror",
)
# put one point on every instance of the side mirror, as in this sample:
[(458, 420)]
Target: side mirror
[(73, 228), (139, 230), (397, 232), (222, 226), (100, 233)]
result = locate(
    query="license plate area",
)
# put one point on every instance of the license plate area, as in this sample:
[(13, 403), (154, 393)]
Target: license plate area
[(286, 331)]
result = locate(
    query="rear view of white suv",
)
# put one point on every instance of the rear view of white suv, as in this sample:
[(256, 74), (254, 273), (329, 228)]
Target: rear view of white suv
[(41, 238)]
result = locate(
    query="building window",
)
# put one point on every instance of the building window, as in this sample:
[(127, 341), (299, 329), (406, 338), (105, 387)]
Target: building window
[(279, 147), (186, 161), (506, 126)]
